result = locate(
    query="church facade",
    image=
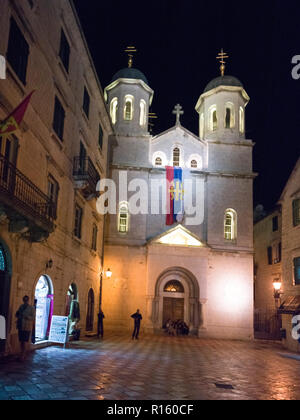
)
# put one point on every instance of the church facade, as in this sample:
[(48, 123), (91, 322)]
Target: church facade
[(196, 269)]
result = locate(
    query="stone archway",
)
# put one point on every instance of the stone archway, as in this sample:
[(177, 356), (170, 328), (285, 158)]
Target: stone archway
[(190, 294), (43, 298)]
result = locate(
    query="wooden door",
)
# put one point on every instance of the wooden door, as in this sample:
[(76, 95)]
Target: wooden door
[(173, 309)]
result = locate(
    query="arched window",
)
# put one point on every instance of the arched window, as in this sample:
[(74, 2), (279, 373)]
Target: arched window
[(174, 286), (242, 120), (176, 156), (213, 118), (230, 225), (123, 218), (143, 118), (128, 109), (229, 115), (113, 110), (2, 259), (158, 161), (90, 311), (194, 164), (202, 126)]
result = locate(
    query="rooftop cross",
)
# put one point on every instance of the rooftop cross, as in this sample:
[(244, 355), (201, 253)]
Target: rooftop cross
[(221, 57), (178, 111), (130, 51)]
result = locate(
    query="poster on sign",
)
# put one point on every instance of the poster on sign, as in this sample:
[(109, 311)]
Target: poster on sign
[(59, 329)]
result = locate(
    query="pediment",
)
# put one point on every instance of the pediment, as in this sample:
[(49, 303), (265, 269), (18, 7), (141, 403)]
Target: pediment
[(177, 132), (178, 236)]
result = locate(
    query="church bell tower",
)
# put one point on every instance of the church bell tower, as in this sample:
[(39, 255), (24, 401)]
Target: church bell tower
[(129, 98), (221, 108)]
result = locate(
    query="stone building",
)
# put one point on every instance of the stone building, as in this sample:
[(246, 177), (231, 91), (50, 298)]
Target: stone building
[(290, 203), (51, 237), (199, 272), (267, 258), (267, 272)]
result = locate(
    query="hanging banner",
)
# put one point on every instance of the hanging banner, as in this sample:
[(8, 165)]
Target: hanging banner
[(59, 329)]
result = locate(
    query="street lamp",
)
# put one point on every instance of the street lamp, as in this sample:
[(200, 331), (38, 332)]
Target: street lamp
[(108, 274), (277, 291)]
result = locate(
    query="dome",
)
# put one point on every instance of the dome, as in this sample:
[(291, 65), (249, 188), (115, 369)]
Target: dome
[(130, 73), (223, 81)]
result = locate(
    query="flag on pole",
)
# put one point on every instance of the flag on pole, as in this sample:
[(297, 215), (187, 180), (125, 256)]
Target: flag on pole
[(12, 123), (175, 195)]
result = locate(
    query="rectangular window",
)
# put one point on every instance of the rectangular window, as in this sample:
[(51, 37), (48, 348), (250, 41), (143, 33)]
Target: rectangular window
[(94, 238), (270, 255), (59, 119), (296, 212), (277, 258), (78, 221), (100, 137), (18, 51), (279, 252), (297, 271), (86, 102), (64, 51), (275, 223), (53, 190)]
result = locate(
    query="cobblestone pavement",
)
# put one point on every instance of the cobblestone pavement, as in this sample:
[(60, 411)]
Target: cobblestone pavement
[(154, 368)]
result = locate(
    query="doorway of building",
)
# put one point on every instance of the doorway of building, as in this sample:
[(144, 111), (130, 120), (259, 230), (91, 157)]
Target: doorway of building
[(173, 309), (173, 302), (90, 311), (72, 307), (44, 308), (5, 279)]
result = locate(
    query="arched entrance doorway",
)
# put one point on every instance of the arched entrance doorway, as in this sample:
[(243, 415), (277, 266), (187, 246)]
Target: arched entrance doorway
[(173, 301), (72, 306), (90, 311), (44, 295), (176, 297), (5, 280)]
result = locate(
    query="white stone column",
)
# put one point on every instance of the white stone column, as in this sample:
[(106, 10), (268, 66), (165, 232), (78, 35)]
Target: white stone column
[(149, 314), (202, 315)]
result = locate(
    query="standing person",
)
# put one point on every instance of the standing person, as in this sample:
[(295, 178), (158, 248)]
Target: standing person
[(137, 323), (26, 316), (100, 323)]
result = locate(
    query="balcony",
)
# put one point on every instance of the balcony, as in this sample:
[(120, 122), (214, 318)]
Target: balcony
[(30, 212), (86, 177)]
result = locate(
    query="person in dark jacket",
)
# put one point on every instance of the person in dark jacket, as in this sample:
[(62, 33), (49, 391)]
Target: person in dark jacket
[(100, 323), (137, 323), (25, 319)]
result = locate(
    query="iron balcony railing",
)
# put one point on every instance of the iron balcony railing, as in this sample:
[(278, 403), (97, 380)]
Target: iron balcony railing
[(18, 192), (84, 170)]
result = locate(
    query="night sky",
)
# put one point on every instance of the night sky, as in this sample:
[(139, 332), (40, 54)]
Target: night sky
[(177, 44)]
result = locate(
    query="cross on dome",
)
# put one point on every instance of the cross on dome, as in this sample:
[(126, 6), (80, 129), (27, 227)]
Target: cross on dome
[(221, 58)]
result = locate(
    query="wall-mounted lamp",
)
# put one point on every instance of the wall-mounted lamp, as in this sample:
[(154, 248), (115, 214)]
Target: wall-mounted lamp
[(49, 264), (277, 288), (108, 273)]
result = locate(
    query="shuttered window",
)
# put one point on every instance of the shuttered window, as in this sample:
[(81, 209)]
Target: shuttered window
[(59, 119), (297, 270), (18, 51), (64, 51), (296, 212)]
